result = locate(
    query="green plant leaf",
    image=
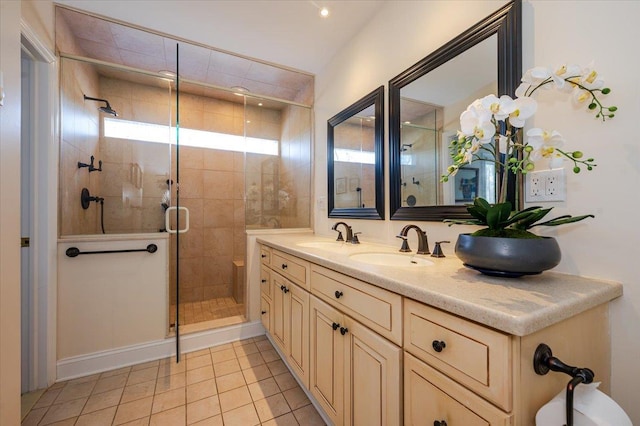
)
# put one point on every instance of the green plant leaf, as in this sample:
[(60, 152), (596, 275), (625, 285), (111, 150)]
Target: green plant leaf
[(479, 214), (561, 220), (526, 221), (482, 205), (464, 222), (498, 215)]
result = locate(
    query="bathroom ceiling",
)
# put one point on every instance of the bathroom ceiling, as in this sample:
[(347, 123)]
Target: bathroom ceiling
[(288, 33)]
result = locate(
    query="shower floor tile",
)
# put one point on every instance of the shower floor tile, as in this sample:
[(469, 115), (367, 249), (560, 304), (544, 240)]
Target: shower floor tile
[(206, 310), (175, 398)]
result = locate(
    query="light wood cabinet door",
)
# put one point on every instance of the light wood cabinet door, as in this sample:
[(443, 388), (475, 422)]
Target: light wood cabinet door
[(298, 318), (431, 398), (373, 378), (266, 313), (326, 378), (280, 306)]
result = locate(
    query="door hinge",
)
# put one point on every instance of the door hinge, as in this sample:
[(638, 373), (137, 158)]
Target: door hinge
[(24, 242)]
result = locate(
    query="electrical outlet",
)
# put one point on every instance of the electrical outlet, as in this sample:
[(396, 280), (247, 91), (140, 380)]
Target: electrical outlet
[(536, 186), (546, 185)]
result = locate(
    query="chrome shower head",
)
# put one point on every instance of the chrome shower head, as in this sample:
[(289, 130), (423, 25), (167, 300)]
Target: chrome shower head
[(106, 109)]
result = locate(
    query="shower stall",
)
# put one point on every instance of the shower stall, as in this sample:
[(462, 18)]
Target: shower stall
[(184, 142)]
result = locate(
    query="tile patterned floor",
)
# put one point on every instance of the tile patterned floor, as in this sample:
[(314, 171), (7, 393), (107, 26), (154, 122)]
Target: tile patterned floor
[(206, 310), (243, 383)]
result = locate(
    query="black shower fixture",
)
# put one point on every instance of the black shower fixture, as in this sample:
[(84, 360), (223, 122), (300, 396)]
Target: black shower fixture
[(91, 167), (86, 198), (107, 109)]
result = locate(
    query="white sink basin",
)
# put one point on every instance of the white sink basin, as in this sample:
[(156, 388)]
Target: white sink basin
[(391, 259), (323, 245)]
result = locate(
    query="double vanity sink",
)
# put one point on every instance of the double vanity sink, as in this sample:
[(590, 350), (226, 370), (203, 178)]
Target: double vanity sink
[(434, 340), (370, 254)]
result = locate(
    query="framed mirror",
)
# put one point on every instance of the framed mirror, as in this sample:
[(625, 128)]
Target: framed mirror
[(425, 103), (355, 156)]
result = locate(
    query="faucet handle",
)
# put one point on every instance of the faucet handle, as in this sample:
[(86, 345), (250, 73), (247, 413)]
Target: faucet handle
[(437, 250), (405, 245), (355, 239)]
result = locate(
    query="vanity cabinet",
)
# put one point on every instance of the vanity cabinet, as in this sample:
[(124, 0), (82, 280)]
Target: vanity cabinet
[(287, 306), (458, 372), (355, 373), (371, 356), (266, 298)]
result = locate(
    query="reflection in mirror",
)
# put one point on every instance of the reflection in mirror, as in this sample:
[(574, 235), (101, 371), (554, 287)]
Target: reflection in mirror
[(354, 158), (426, 101), (430, 108)]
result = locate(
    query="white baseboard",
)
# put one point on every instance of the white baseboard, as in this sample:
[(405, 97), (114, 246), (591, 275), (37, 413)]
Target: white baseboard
[(97, 362)]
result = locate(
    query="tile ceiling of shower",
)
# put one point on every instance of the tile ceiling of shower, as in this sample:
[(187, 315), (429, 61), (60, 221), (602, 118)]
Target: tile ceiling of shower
[(123, 45)]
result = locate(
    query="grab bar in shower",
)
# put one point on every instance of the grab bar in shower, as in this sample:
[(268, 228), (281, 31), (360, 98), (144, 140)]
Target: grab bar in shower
[(75, 251)]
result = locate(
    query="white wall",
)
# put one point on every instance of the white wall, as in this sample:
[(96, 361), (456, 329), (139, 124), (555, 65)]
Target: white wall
[(554, 33), (10, 214)]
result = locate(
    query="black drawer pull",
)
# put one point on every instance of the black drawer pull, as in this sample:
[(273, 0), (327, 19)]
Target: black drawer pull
[(284, 266), (284, 289), (264, 312), (439, 423), (263, 281), (438, 346), (335, 326), (343, 330), (338, 294), (263, 255)]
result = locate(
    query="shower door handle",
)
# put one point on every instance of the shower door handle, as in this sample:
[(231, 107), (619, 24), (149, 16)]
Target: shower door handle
[(167, 220)]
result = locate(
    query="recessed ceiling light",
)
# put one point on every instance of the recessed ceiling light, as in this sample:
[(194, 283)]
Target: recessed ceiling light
[(324, 12), (239, 90), (167, 73), (407, 122), (259, 103)]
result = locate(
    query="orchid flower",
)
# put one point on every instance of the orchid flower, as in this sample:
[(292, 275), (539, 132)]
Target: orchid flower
[(524, 108), (476, 121), (545, 145), (501, 119), (499, 107)]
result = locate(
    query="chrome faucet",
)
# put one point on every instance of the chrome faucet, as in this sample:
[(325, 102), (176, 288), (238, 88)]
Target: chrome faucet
[(423, 245), (347, 228)]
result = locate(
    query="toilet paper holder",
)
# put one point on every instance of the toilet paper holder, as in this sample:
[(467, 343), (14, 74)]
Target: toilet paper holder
[(543, 361)]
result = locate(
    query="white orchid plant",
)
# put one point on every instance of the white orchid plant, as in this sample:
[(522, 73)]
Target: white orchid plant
[(494, 126)]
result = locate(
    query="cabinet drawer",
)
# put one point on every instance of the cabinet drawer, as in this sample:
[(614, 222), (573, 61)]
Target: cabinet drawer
[(376, 308), (265, 287), (477, 357), (430, 397), (265, 255), (297, 270)]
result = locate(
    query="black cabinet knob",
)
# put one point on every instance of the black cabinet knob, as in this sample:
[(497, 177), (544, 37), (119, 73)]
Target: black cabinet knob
[(263, 281), (263, 256), (338, 294), (285, 289), (335, 326), (343, 330), (438, 346), (439, 423), (284, 266), (264, 312)]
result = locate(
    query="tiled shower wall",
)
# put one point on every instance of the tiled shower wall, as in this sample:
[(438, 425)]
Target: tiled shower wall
[(212, 182), (80, 133)]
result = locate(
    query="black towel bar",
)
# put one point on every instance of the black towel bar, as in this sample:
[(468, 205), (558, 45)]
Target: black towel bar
[(75, 251)]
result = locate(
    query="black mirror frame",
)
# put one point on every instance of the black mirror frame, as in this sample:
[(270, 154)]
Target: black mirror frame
[(507, 24), (375, 98)]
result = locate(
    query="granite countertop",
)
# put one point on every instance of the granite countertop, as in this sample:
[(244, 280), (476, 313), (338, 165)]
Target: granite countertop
[(518, 306)]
